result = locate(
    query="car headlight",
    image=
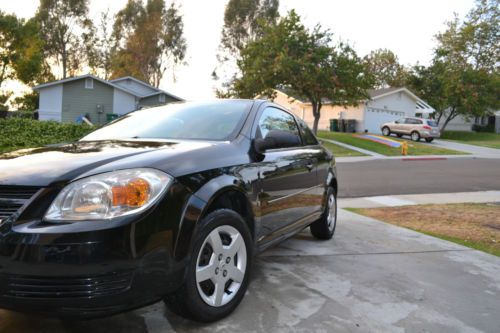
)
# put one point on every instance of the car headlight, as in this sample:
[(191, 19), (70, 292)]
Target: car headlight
[(108, 195)]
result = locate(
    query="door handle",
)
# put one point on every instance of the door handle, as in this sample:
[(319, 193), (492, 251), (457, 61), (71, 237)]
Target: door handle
[(310, 166)]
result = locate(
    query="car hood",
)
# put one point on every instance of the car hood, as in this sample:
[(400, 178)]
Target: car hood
[(65, 162)]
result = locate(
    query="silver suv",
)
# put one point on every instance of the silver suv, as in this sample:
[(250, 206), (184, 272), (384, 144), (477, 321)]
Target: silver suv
[(416, 128)]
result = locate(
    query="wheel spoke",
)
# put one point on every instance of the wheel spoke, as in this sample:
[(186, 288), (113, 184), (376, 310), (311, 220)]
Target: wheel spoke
[(215, 241), (235, 274), (235, 246), (206, 272), (218, 293)]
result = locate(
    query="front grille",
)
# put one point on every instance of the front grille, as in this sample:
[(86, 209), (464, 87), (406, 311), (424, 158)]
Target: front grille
[(67, 287), (14, 197)]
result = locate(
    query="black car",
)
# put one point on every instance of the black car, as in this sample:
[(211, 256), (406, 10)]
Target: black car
[(165, 203)]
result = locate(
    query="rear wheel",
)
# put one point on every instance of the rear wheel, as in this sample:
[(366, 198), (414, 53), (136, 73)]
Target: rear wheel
[(429, 139), (218, 271), (324, 228), (415, 136), (386, 131)]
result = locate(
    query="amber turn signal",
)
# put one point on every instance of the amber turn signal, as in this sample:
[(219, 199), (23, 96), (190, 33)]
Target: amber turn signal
[(133, 194)]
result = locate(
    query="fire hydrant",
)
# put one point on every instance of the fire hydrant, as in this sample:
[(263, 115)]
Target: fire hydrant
[(404, 148)]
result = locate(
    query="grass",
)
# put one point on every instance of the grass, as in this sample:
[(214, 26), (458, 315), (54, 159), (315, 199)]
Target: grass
[(491, 140), (339, 151), (473, 225), (414, 148)]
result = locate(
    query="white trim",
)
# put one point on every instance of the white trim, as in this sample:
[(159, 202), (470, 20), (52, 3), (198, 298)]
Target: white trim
[(158, 91)]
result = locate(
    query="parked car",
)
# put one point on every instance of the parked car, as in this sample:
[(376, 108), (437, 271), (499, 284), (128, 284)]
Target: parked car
[(165, 203), (416, 128)]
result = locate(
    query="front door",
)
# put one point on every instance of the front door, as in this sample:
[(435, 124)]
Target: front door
[(289, 189)]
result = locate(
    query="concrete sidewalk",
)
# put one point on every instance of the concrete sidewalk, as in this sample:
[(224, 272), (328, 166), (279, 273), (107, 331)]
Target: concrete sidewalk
[(471, 149), (420, 199), (372, 277)]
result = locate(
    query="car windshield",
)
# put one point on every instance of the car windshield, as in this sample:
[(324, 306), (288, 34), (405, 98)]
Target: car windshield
[(216, 120), (432, 123)]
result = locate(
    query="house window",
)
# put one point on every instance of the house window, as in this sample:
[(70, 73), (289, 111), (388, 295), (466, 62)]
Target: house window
[(161, 98), (89, 83)]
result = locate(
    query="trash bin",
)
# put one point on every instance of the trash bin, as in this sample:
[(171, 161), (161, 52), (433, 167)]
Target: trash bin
[(111, 117), (342, 125), (334, 125), (351, 126)]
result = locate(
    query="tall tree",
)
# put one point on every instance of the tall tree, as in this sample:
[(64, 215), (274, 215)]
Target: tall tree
[(243, 22), (65, 28), (100, 45), (149, 40), (302, 61), (463, 79), (21, 55), (385, 68)]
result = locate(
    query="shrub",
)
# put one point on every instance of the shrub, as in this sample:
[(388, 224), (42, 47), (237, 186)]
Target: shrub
[(17, 133)]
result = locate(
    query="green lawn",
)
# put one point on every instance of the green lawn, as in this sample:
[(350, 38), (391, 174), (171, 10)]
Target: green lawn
[(490, 140), (414, 148), (339, 151)]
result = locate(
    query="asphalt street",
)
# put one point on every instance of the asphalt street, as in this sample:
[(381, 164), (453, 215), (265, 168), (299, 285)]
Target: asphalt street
[(390, 177), (372, 277)]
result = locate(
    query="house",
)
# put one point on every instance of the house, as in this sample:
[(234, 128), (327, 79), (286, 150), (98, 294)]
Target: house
[(384, 105), (70, 99)]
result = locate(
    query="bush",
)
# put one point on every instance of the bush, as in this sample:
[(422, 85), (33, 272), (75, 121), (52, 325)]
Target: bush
[(484, 128), (17, 133)]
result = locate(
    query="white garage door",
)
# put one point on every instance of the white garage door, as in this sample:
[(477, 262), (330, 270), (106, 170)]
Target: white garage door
[(376, 117)]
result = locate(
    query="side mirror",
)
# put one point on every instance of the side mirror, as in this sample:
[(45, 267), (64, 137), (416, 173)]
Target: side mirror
[(276, 139)]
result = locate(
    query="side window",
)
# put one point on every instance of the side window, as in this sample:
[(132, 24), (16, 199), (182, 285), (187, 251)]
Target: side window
[(307, 134), (273, 119), (408, 121)]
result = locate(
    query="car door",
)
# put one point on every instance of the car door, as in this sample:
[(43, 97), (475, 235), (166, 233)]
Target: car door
[(408, 126), (287, 177), (397, 127)]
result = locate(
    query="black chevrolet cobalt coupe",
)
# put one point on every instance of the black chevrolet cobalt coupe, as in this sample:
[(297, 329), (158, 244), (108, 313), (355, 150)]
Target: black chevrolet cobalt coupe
[(164, 203)]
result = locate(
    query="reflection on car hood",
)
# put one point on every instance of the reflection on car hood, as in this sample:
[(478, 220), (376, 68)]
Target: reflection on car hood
[(61, 163)]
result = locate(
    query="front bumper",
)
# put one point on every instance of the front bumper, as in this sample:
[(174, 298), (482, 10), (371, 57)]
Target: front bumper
[(90, 273)]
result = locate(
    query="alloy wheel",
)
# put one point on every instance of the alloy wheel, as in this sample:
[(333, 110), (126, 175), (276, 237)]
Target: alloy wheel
[(332, 217), (221, 265)]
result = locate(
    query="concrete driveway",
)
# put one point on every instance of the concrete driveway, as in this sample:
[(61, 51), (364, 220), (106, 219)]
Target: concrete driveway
[(373, 277)]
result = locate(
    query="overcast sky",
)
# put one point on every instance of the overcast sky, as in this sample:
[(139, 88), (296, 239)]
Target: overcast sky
[(405, 27)]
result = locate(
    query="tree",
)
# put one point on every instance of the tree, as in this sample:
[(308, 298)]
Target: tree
[(100, 46), (243, 22), (149, 39), (385, 68), (302, 61), (65, 28), (20, 52), (463, 78)]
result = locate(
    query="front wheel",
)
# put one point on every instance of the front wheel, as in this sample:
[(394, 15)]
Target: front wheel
[(218, 271), (386, 131), (324, 228), (415, 136)]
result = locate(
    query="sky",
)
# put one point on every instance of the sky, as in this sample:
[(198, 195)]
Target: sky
[(405, 27)]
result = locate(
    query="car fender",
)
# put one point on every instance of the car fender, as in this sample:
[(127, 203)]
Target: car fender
[(197, 206)]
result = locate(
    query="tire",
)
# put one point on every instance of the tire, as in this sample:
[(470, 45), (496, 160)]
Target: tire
[(386, 131), (415, 136), (324, 228), (429, 140), (197, 299)]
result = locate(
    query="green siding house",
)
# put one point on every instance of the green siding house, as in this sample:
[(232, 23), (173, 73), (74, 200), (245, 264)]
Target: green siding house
[(70, 99)]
